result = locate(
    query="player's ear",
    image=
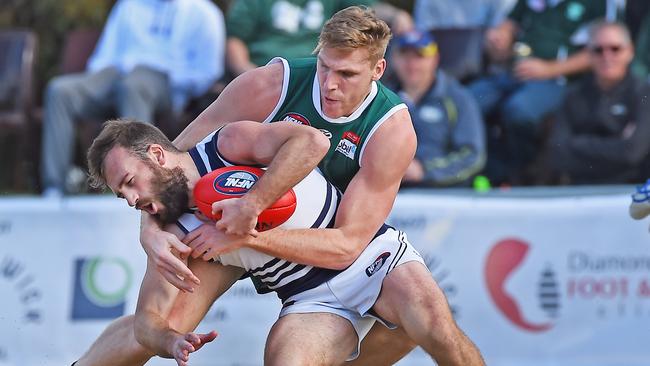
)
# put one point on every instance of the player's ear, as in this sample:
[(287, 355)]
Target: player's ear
[(379, 69), (157, 153)]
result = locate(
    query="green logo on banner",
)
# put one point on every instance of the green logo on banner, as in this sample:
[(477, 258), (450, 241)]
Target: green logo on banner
[(106, 281)]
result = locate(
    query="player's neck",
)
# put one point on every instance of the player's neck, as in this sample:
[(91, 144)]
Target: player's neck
[(189, 169)]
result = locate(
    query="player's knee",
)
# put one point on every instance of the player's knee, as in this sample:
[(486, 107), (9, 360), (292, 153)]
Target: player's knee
[(431, 320), (283, 350), (278, 354), (297, 357)]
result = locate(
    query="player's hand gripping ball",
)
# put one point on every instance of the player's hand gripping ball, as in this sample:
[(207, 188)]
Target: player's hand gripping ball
[(234, 182)]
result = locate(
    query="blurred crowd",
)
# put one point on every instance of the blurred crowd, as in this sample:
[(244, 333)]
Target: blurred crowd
[(501, 92)]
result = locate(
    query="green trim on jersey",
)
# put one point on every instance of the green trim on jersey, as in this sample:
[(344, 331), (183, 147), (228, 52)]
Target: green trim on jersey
[(348, 136)]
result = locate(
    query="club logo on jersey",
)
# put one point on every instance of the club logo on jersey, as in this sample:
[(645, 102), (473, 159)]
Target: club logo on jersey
[(326, 133), (348, 144), (302, 120), (377, 264), (296, 118), (236, 182)]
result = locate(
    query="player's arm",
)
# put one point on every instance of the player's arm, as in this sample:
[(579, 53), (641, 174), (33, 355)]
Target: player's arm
[(159, 302), (251, 96), (235, 103), (363, 209), (289, 150)]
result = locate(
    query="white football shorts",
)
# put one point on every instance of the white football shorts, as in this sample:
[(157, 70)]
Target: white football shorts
[(352, 293)]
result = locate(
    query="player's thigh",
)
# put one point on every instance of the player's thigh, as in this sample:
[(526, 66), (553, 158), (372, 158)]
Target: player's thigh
[(190, 308), (310, 339), (383, 346), (411, 298)]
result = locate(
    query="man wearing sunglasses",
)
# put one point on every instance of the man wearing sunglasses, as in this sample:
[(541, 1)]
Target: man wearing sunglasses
[(538, 48), (602, 133)]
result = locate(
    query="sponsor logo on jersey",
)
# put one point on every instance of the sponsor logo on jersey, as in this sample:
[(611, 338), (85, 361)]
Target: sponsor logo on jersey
[(377, 264), (302, 120), (236, 182), (296, 118), (326, 133), (348, 144)]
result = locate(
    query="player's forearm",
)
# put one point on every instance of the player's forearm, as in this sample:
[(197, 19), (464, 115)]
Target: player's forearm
[(148, 227), (291, 163), (325, 248), (154, 333), (147, 222)]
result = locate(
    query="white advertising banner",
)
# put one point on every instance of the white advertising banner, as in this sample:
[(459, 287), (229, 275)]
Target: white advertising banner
[(538, 281), (68, 268), (533, 281)]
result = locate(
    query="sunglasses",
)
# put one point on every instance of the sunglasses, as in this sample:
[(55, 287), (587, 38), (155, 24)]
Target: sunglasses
[(600, 50)]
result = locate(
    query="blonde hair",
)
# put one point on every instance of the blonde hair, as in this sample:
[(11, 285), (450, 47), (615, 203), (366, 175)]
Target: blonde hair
[(356, 27)]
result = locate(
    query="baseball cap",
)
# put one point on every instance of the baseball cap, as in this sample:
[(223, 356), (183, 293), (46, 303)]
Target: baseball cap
[(420, 41)]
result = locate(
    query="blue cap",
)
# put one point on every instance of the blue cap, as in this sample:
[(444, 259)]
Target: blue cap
[(416, 40)]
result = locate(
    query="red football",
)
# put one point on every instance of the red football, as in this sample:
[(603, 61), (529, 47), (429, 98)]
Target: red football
[(233, 182)]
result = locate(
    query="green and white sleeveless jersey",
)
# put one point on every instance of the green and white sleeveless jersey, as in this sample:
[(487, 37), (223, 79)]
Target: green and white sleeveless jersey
[(300, 103)]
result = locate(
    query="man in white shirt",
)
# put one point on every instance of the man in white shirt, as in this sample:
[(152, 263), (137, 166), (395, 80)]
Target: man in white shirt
[(152, 57)]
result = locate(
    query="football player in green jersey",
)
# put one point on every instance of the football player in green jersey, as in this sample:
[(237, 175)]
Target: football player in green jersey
[(372, 144)]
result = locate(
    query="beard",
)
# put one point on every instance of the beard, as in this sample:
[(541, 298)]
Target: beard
[(170, 187)]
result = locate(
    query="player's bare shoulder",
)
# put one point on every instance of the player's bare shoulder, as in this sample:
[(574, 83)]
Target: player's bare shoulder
[(252, 96), (263, 85), (394, 141)]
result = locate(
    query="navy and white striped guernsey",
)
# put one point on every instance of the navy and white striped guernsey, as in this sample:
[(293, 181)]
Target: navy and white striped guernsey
[(316, 204)]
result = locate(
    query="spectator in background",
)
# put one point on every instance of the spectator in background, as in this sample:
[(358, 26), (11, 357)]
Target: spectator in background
[(447, 120), (635, 12), (532, 87), (641, 63), (259, 30), (431, 14), (602, 132), (153, 55)]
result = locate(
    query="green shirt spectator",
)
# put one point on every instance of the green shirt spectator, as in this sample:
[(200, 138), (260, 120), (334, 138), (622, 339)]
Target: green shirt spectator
[(547, 28), (641, 64), (285, 28), (536, 42), (259, 30)]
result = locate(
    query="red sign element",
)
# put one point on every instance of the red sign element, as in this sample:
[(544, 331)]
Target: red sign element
[(502, 260), (296, 118), (352, 137)]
